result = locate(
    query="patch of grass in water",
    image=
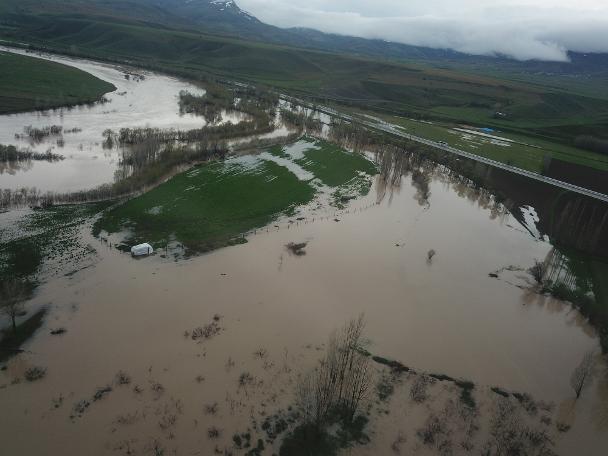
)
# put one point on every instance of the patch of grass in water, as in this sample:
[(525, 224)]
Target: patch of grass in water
[(278, 151), (334, 166), (22, 257), (211, 206), (358, 186), (466, 393), (11, 342), (311, 439), (48, 235)]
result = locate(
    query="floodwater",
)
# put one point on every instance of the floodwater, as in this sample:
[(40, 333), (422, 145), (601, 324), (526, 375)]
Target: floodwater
[(444, 316), (275, 310), (151, 101)]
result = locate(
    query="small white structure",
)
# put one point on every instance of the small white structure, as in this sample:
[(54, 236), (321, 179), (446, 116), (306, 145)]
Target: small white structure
[(142, 249)]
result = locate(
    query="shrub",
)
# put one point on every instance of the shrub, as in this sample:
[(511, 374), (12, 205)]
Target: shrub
[(35, 373)]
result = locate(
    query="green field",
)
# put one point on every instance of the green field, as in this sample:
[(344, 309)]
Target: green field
[(525, 152), (214, 204), (28, 83)]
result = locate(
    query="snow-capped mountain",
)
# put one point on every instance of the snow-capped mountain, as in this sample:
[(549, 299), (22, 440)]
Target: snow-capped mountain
[(217, 14), (225, 17)]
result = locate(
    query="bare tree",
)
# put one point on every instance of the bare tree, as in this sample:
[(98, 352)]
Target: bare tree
[(582, 374), (341, 380), (12, 295)]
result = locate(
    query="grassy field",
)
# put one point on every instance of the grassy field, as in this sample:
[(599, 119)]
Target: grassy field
[(28, 83), (525, 152), (214, 204)]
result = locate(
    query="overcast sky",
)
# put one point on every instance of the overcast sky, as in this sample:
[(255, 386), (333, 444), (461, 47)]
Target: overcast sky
[(522, 29)]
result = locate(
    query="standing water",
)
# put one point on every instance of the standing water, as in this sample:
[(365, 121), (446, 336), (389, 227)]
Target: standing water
[(141, 99)]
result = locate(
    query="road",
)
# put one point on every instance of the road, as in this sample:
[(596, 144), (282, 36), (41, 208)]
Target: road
[(377, 124)]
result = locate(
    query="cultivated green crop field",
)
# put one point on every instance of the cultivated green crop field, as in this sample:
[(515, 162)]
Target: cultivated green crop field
[(519, 150), (214, 204), (28, 83)]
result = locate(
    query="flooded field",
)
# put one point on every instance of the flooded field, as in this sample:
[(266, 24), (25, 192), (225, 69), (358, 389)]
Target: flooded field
[(207, 347), (141, 99)]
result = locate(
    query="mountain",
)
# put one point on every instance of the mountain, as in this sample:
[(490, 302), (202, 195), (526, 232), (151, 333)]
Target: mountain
[(226, 18)]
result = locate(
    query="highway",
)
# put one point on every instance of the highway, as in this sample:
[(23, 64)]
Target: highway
[(377, 124)]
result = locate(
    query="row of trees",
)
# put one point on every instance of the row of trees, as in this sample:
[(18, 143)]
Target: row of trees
[(12, 153), (39, 134), (588, 142), (216, 99), (302, 120), (131, 136)]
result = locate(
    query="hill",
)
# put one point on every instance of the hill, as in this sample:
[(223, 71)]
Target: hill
[(27, 84)]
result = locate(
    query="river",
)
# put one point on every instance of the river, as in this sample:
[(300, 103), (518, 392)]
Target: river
[(144, 99)]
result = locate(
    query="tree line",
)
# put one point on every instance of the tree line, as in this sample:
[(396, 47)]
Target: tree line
[(11, 153), (592, 143)]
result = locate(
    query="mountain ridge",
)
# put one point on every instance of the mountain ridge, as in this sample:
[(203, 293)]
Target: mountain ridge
[(227, 18)]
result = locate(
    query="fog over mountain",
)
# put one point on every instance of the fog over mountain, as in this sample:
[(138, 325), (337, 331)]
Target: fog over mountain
[(520, 29)]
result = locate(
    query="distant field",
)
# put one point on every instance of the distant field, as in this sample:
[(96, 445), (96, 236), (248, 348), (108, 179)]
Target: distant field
[(530, 153), (28, 83)]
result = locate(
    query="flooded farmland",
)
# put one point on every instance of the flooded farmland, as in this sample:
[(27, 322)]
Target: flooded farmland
[(141, 99), (206, 348)]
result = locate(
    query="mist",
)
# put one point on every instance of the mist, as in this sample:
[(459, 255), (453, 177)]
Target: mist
[(522, 30)]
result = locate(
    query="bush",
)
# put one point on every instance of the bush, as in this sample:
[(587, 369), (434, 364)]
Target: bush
[(538, 271), (35, 373)]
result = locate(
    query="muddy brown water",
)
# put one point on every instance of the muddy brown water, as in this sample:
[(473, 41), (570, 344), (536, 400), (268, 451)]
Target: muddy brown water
[(446, 316), (441, 316)]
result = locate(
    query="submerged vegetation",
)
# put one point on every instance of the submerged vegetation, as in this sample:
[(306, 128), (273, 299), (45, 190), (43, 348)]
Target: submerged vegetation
[(215, 204), (12, 153), (330, 398), (210, 206), (579, 280), (302, 120), (45, 241), (152, 155)]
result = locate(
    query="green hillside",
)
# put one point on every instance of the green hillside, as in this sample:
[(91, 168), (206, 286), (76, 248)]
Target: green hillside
[(28, 83)]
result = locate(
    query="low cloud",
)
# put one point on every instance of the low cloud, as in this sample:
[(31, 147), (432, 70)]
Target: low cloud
[(520, 29)]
